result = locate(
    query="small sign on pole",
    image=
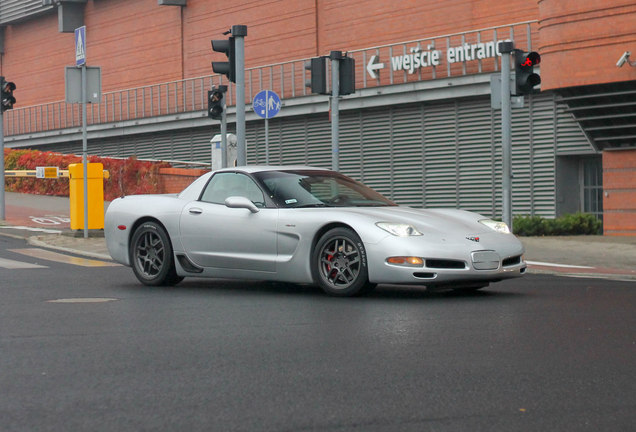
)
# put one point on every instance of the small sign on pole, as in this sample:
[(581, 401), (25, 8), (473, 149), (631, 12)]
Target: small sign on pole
[(80, 46), (266, 104), (47, 172)]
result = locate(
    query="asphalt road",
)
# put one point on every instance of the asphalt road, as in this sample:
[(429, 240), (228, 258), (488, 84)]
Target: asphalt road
[(538, 353)]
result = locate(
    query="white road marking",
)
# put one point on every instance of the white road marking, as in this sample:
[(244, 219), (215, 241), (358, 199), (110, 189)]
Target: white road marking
[(44, 230), (545, 264), (83, 300), (11, 264), (58, 257)]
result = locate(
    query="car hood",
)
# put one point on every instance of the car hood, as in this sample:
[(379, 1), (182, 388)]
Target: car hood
[(426, 220)]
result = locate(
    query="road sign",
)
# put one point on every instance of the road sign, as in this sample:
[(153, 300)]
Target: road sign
[(73, 84), (266, 104), (47, 172), (373, 67), (80, 46)]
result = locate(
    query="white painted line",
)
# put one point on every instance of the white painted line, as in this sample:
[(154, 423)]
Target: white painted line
[(82, 300), (11, 264), (44, 230), (545, 264), (66, 259)]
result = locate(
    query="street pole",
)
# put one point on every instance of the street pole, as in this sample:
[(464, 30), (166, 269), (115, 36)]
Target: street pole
[(335, 56), (239, 32), (223, 89), (2, 181), (266, 128), (224, 136), (85, 150), (506, 48)]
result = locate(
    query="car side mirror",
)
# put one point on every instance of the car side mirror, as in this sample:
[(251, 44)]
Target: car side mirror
[(240, 202)]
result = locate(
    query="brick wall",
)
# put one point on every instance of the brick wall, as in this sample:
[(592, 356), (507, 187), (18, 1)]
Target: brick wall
[(581, 41), (619, 186), (174, 180)]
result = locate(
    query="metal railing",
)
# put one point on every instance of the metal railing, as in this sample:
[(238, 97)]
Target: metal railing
[(431, 58)]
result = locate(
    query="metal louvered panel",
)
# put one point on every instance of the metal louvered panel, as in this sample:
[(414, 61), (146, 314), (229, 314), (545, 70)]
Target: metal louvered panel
[(408, 173), (440, 155), (16, 10), (522, 142), (254, 135), (571, 138), (293, 142), (376, 152), (350, 138), (541, 171), (476, 151), (318, 146)]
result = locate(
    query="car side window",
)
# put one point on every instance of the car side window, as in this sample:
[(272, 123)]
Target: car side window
[(224, 185)]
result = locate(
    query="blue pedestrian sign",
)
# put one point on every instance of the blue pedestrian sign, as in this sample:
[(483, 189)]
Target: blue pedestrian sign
[(266, 104), (80, 46)]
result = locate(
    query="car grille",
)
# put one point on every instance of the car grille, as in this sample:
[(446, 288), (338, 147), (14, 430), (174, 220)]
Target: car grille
[(512, 261), (445, 264), (485, 260)]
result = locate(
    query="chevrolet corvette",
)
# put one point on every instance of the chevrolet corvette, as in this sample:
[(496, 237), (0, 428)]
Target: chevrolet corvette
[(305, 225)]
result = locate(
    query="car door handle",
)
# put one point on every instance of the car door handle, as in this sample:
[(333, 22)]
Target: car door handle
[(195, 210)]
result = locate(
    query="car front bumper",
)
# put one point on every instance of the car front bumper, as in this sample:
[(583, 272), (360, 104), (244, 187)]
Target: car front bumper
[(447, 260)]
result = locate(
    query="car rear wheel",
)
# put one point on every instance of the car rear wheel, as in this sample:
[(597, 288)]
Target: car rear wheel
[(339, 264), (151, 256)]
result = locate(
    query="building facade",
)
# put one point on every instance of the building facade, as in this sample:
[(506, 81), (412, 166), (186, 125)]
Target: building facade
[(419, 128)]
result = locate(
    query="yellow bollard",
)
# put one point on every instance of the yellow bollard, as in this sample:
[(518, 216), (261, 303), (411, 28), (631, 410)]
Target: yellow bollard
[(95, 186)]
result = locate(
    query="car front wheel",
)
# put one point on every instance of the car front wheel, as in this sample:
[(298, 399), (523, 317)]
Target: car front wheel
[(339, 263), (151, 256)]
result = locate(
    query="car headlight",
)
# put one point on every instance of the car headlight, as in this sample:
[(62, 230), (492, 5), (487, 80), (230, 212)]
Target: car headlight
[(399, 229), (496, 225)]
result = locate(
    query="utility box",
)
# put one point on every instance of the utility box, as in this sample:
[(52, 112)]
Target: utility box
[(95, 188), (218, 152)]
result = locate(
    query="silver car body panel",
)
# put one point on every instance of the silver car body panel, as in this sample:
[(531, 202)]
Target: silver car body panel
[(277, 243)]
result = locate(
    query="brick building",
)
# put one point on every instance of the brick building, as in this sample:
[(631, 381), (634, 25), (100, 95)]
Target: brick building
[(420, 131)]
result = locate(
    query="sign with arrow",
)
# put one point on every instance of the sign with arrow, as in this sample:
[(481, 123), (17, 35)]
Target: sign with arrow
[(372, 66)]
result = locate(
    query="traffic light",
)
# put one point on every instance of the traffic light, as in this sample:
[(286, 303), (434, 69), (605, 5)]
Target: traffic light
[(6, 99), (347, 76), (318, 75), (215, 102), (525, 78), (228, 68)]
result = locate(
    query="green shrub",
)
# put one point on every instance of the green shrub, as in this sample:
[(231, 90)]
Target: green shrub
[(569, 224)]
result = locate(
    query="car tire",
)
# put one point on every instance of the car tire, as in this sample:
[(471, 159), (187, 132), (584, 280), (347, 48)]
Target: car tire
[(151, 256), (339, 264)]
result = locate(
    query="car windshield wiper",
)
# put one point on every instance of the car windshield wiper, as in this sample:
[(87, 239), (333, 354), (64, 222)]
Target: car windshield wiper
[(311, 205)]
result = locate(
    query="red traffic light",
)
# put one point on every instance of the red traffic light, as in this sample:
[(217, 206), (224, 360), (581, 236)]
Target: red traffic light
[(531, 59), (525, 77)]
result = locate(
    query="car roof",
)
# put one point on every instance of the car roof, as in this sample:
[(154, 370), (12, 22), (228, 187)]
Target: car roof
[(261, 168)]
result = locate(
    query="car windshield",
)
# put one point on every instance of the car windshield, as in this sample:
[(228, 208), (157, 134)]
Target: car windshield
[(306, 188)]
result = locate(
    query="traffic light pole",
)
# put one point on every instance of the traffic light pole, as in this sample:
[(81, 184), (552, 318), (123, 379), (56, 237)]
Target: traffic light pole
[(506, 48), (239, 32), (85, 149), (2, 181), (224, 135), (335, 56)]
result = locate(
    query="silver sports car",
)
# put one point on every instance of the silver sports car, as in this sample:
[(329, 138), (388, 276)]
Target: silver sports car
[(305, 225)]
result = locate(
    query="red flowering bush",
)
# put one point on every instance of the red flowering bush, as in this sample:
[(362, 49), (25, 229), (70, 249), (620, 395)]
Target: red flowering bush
[(127, 176)]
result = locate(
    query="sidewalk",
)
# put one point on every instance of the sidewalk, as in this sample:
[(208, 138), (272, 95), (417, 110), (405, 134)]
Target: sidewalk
[(590, 256)]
